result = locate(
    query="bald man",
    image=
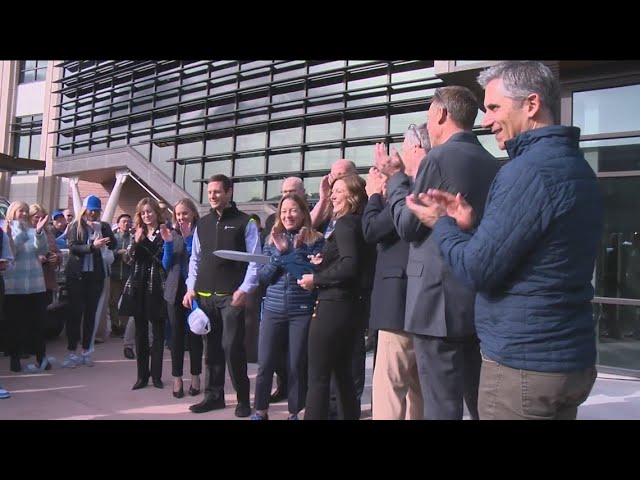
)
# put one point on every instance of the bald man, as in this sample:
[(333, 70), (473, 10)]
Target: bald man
[(289, 185), (340, 168)]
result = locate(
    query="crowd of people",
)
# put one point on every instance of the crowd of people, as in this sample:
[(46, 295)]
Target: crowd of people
[(475, 277)]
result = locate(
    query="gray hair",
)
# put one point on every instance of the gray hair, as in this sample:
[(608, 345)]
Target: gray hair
[(521, 79), (459, 102), (418, 134)]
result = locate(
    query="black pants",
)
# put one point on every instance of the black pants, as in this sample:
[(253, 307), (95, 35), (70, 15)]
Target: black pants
[(178, 320), (358, 358), (84, 294), (225, 345), (142, 346), (449, 371), (331, 341), (25, 316)]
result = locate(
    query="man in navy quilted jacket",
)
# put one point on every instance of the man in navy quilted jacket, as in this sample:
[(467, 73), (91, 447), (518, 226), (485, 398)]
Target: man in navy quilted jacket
[(532, 255)]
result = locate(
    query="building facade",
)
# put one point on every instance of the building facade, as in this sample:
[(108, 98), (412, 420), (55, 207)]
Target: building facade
[(171, 124)]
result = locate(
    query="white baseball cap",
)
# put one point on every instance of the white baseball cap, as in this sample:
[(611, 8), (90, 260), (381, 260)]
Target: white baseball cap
[(198, 321)]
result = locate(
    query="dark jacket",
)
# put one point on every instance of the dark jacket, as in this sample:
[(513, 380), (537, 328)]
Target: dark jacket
[(344, 273), (78, 248), (143, 292), (121, 268), (438, 304), (284, 295), (532, 256), (225, 232), (390, 280)]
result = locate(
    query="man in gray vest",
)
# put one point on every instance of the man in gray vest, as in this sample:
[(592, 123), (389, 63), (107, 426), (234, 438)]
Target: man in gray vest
[(220, 288)]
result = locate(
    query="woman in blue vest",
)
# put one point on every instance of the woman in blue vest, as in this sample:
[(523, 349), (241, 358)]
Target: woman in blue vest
[(287, 308)]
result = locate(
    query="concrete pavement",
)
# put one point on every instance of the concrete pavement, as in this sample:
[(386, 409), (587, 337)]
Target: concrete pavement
[(104, 392)]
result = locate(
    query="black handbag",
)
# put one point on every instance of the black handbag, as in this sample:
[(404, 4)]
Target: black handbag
[(126, 306)]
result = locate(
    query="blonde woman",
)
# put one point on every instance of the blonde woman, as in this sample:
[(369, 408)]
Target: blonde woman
[(85, 272), (25, 301), (177, 252), (52, 260)]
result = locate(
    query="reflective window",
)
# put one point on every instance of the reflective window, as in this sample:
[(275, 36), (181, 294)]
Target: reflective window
[(613, 155), (287, 162), (326, 66), (157, 106), (251, 142), (218, 145), (289, 136), (27, 133), (400, 122), (618, 265), (324, 131), (216, 167), (367, 97), (489, 142), (607, 110), (408, 75), (247, 191), (249, 166), (312, 187), (33, 71), (618, 335), (274, 190), (320, 159), (365, 127), (185, 176), (190, 149), (362, 156), (160, 153), (289, 70)]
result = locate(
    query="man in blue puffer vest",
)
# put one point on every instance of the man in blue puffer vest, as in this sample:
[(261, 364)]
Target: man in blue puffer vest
[(531, 257)]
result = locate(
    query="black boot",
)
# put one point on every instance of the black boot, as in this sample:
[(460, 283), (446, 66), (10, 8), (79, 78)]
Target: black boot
[(141, 383), (15, 365)]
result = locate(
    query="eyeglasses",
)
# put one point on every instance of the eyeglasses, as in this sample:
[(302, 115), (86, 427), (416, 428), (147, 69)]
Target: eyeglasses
[(413, 128)]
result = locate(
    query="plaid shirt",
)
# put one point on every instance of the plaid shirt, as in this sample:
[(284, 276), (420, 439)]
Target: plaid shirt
[(26, 276), (147, 264)]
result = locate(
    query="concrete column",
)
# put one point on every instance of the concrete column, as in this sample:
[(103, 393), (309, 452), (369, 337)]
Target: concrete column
[(75, 192), (112, 203)]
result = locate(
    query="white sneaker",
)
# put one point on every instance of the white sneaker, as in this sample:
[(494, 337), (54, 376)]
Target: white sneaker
[(87, 359), (71, 361)]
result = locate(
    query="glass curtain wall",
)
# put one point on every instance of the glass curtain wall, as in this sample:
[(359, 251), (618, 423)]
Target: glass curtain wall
[(610, 129), (256, 121)]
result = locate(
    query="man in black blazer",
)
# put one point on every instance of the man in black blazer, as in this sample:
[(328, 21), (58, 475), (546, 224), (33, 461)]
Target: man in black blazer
[(396, 393), (439, 309)]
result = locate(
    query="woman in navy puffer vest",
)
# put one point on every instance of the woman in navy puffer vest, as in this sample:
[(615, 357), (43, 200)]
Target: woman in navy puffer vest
[(287, 307)]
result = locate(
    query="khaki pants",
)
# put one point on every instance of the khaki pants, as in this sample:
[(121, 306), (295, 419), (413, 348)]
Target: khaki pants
[(510, 394), (396, 387)]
